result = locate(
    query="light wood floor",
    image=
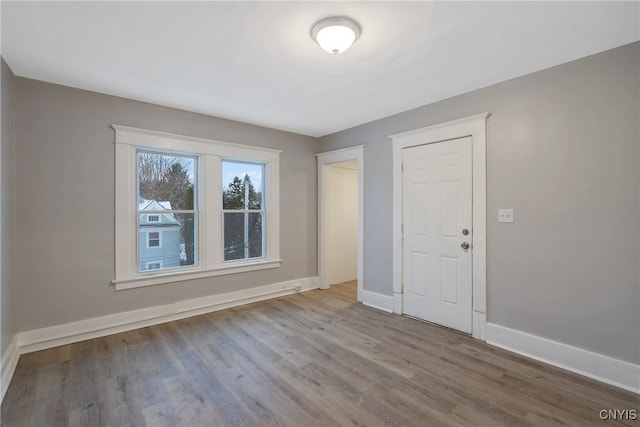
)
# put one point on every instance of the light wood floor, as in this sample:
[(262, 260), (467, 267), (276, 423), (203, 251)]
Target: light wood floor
[(311, 359)]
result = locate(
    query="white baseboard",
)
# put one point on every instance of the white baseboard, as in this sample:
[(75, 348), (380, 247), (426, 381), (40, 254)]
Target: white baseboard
[(379, 301), (584, 362), (8, 363), (53, 336)]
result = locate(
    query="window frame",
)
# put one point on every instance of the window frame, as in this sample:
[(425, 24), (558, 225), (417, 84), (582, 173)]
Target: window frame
[(209, 251)]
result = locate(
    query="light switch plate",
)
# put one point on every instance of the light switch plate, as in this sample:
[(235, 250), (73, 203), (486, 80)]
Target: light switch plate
[(505, 215)]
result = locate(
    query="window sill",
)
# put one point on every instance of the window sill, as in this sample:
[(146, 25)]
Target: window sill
[(178, 276)]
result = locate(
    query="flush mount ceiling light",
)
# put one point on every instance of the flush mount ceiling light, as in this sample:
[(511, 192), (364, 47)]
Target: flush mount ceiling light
[(335, 34)]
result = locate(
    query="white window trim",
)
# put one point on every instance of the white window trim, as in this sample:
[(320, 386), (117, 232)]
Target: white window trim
[(210, 154), (159, 239)]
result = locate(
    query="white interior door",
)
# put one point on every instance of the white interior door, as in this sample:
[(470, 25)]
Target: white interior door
[(437, 219)]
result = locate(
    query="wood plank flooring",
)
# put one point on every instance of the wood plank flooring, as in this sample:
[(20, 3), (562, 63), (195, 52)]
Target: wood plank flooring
[(311, 359)]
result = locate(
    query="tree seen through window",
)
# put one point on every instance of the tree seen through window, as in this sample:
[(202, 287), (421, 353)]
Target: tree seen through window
[(243, 211)]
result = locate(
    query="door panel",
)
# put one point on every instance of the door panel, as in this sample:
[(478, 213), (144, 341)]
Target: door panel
[(448, 209), (419, 273), (449, 279), (419, 208), (437, 206)]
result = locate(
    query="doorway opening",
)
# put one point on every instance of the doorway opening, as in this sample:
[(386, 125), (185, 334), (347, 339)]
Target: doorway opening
[(340, 220), (341, 261)]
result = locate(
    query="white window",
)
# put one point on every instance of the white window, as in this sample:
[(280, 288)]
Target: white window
[(154, 265), (153, 239), (216, 204)]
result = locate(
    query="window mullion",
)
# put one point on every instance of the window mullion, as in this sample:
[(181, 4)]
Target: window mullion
[(212, 204)]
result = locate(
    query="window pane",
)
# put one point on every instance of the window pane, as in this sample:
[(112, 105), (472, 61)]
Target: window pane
[(233, 236), (165, 181), (188, 233), (237, 239), (255, 235), (169, 243), (240, 180)]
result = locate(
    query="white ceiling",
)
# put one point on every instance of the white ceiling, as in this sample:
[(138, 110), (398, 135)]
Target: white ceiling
[(255, 61)]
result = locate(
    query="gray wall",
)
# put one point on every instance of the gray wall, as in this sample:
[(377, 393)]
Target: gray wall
[(64, 256), (563, 151), (7, 211)]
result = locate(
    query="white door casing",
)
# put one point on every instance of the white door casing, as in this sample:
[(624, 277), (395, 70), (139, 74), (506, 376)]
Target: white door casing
[(437, 223), (474, 127), (325, 160)]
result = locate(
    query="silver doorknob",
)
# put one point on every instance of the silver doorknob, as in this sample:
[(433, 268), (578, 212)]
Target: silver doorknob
[(464, 245)]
